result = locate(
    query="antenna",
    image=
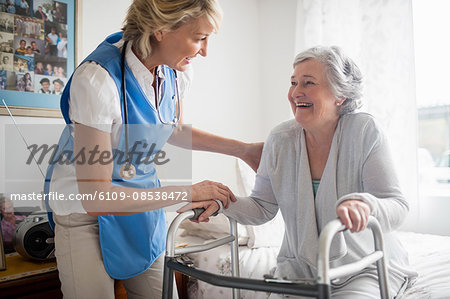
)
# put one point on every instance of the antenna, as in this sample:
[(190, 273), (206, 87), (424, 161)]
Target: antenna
[(23, 138)]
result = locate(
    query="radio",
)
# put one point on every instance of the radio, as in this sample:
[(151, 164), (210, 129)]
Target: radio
[(34, 238)]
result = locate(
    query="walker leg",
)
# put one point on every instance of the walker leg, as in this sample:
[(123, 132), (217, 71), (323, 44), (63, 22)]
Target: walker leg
[(383, 275), (167, 292), (235, 256), (383, 278), (324, 291)]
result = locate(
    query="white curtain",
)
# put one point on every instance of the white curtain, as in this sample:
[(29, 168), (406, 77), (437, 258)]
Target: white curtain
[(378, 35)]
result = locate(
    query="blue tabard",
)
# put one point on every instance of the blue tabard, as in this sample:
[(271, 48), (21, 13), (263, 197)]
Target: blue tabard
[(130, 244)]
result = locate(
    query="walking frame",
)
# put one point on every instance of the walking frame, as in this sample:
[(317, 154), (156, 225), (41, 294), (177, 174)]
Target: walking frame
[(320, 287)]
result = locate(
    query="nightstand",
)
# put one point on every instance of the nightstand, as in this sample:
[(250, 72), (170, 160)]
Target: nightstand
[(27, 279)]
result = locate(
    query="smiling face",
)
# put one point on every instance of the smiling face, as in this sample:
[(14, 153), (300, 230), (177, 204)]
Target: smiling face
[(177, 48), (45, 86), (312, 101), (57, 86)]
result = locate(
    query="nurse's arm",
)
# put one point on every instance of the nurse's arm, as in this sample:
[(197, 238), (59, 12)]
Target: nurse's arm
[(191, 138), (101, 197)]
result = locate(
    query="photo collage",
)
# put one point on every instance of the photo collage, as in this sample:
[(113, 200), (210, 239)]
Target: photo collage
[(33, 46)]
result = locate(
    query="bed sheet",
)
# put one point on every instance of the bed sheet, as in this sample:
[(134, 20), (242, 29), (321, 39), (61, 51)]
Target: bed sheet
[(253, 263), (429, 255)]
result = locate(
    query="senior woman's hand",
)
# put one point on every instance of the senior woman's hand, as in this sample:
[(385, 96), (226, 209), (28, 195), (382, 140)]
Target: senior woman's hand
[(210, 207), (354, 214), (207, 190)]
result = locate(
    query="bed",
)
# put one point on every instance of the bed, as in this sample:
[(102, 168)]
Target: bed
[(429, 254)]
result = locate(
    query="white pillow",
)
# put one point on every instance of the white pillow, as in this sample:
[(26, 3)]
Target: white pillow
[(217, 227), (269, 234), (245, 178)]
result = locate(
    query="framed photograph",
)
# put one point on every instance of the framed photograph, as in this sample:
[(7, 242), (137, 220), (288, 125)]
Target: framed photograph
[(37, 54)]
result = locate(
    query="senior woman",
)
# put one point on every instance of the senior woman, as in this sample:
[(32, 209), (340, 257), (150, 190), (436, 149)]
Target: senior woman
[(135, 77), (328, 162)]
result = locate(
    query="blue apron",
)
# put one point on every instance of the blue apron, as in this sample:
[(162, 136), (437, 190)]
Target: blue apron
[(130, 244)]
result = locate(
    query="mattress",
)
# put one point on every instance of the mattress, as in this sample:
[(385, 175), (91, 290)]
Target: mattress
[(253, 263), (429, 255)]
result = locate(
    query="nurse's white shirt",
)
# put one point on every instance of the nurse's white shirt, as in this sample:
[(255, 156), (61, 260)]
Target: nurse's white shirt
[(94, 101)]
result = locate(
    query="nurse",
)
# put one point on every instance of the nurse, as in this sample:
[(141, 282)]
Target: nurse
[(136, 76)]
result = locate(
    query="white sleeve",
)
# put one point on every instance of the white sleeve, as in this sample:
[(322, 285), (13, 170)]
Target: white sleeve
[(184, 81), (94, 98)]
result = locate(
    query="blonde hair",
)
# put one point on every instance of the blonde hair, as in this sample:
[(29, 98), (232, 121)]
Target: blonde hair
[(145, 17)]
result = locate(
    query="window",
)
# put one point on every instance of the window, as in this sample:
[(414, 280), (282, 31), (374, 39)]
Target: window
[(432, 46)]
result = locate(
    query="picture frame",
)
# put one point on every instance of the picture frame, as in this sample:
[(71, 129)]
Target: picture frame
[(37, 54), (2, 251)]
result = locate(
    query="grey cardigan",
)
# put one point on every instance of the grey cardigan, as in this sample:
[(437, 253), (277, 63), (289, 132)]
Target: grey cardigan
[(359, 166)]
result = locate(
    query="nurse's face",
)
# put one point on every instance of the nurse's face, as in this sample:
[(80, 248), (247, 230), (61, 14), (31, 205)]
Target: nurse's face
[(312, 101), (177, 48)]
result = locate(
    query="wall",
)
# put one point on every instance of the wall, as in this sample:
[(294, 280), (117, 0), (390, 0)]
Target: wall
[(225, 96), (277, 45), (96, 20), (30, 172)]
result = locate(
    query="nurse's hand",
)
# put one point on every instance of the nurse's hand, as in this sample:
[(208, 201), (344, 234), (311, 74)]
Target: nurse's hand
[(354, 214), (207, 190), (210, 207), (251, 154)]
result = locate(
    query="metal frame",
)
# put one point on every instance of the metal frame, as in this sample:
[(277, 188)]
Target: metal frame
[(319, 288)]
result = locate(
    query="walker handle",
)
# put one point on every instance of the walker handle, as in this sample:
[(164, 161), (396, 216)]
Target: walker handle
[(199, 211)]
